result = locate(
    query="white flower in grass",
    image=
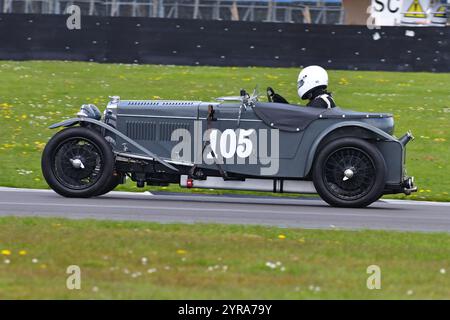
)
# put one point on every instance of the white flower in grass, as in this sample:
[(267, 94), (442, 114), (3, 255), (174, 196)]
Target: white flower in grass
[(95, 289), (34, 260), (152, 270), (275, 265), (144, 260), (442, 271), (224, 268), (24, 172), (7, 261), (409, 292), (314, 288)]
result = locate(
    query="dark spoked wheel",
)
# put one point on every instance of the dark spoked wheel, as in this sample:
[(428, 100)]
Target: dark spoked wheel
[(349, 172), (78, 162)]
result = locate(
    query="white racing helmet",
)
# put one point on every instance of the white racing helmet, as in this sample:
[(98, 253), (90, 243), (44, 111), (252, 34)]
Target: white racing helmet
[(311, 78)]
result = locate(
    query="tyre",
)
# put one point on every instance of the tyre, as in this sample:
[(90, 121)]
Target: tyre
[(78, 162), (115, 181), (349, 172)]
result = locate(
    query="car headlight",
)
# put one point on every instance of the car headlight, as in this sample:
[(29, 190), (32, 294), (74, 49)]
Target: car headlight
[(89, 111)]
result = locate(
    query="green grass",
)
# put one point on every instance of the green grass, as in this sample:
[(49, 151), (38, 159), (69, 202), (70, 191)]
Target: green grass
[(35, 94), (216, 261)]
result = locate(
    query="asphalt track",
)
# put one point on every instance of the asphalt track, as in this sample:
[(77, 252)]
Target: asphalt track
[(230, 209)]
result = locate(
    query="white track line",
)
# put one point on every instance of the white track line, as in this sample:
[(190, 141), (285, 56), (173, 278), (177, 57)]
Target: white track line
[(148, 193), (417, 203), (227, 210), (83, 205), (196, 209), (124, 193)]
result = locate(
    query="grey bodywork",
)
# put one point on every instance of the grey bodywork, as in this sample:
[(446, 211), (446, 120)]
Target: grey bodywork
[(142, 129)]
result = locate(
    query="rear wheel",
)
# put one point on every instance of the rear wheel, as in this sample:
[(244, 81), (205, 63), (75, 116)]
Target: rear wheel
[(78, 162), (349, 172)]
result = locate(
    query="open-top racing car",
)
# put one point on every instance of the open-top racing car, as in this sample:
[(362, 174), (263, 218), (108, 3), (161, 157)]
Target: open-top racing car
[(349, 158)]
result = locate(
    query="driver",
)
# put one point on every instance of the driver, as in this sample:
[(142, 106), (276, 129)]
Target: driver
[(311, 85)]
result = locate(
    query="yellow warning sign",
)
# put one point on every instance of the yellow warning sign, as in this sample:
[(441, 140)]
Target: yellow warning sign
[(441, 12), (415, 10)]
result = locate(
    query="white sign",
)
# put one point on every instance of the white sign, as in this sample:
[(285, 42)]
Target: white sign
[(386, 12), (438, 15), (415, 12)]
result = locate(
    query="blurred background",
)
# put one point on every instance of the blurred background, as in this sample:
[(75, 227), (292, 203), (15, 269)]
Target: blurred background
[(385, 12), (391, 35)]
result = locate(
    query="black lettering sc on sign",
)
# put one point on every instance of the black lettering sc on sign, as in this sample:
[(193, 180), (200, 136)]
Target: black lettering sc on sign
[(380, 6)]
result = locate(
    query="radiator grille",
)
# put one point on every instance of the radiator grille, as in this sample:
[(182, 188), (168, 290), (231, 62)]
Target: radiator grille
[(145, 130), (140, 130), (166, 129)]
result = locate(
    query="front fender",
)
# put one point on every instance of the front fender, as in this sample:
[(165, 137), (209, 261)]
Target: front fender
[(73, 121), (65, 123), (314, 146)]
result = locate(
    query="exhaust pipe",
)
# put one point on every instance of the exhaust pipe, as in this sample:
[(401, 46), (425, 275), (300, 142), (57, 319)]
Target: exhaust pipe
[(270, 185), (406, 138)]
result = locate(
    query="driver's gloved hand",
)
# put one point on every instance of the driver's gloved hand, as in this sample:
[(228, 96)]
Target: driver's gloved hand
[(275, 97)]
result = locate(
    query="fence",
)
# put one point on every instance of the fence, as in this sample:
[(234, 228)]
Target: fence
[(329, 11), (224, 43)]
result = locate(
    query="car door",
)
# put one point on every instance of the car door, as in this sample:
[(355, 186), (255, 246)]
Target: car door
[(244, 144)]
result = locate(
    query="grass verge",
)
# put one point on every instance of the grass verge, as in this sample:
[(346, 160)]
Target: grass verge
[(148, 261)]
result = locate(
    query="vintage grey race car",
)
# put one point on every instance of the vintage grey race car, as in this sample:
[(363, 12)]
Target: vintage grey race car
[(349, 158)]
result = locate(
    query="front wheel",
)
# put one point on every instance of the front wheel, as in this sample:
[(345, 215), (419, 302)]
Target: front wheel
[(114, 182), (349, 172), (78, 162)]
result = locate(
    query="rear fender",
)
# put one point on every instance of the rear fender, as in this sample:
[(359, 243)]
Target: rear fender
[(74, 121), (370, 132)]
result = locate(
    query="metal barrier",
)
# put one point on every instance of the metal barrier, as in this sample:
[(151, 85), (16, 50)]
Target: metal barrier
[(297, 11)]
